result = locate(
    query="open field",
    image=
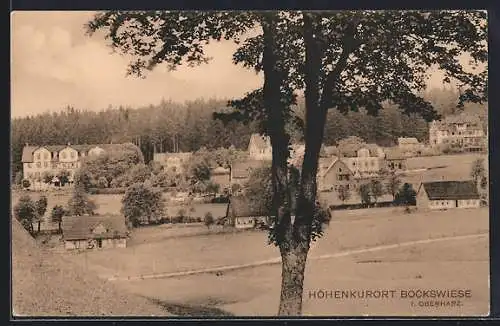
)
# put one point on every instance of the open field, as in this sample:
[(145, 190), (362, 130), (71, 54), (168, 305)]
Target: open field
[(255, 291), (371, 229), (443, 160)]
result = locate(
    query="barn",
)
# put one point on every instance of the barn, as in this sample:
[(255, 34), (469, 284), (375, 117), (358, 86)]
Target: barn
[(448, 194)]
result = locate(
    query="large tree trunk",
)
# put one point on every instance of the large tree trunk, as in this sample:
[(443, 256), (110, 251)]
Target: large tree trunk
[(293, 264)]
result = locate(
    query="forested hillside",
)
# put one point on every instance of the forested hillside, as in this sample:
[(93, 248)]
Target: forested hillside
[(172, 127)]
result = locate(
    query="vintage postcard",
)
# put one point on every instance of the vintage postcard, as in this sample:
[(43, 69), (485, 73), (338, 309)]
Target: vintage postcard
[(219, 164)]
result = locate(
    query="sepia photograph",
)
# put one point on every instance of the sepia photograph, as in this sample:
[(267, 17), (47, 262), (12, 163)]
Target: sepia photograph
[(249, 163)]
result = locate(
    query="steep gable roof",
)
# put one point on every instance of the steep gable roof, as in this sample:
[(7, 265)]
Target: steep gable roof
[(27, 156), (81, 227), (336, 162), (450, 190)]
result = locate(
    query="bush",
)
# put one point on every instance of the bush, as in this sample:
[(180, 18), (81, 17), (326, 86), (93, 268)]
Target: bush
[(209, 219), (26, 183)]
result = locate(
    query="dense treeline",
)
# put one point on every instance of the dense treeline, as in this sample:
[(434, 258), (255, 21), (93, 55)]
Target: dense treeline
[(174, 127)]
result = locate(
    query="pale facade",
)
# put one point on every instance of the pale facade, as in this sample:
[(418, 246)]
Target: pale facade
[(39, 160), (94, 244), (259, 148), (365, 162), (462, 130)]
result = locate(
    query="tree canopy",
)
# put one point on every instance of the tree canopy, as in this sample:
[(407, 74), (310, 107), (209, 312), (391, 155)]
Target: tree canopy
[(343, 60)]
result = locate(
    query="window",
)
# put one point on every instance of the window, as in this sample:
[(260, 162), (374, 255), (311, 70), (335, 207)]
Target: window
[(99, 243), (45, 156), (72, 154), (37, 156), (373, 163), (30, 165), (45, 164), (442, 203), (38, 164)]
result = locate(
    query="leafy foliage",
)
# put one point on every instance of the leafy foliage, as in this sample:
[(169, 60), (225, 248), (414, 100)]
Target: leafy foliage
[(142, 204), (376, 189), (57, 214), (344, 193), (478, 170), (393, 184), (406, 195), (25, 212), (26, 183), (209, 219), (80, 204), (41, 206), (345, 60), (364, 193)]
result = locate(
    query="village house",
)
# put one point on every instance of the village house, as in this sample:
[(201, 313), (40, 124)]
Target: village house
[(365, 160), (336, 175), (463, 130), (410, 145), (39, 160), (395, 159), (448, 194), (242, 215), (94, 232), (259, 147), (174, 162)]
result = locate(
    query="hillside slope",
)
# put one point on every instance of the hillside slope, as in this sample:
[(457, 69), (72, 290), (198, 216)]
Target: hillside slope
[(45, 284)]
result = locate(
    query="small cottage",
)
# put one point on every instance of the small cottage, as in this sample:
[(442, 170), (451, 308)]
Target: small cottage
[(448, 194), (242, 215), (94, 232)]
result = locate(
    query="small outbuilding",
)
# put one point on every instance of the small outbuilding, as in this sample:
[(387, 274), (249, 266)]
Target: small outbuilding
[(94, 232), (448, 194)]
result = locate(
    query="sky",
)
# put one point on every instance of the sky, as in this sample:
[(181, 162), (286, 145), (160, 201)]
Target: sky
[(55, 65)]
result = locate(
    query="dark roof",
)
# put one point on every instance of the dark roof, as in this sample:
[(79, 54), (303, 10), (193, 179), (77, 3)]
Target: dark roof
[(242, 169), (240, 206), (27, 156), (451, 190), (81, 227)]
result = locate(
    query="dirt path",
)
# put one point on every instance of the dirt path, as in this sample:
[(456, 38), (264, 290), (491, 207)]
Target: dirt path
[(278, 259)]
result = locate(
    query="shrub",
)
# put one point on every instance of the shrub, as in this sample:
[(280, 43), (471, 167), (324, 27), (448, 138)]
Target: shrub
[(26, 183), (209, 219)]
